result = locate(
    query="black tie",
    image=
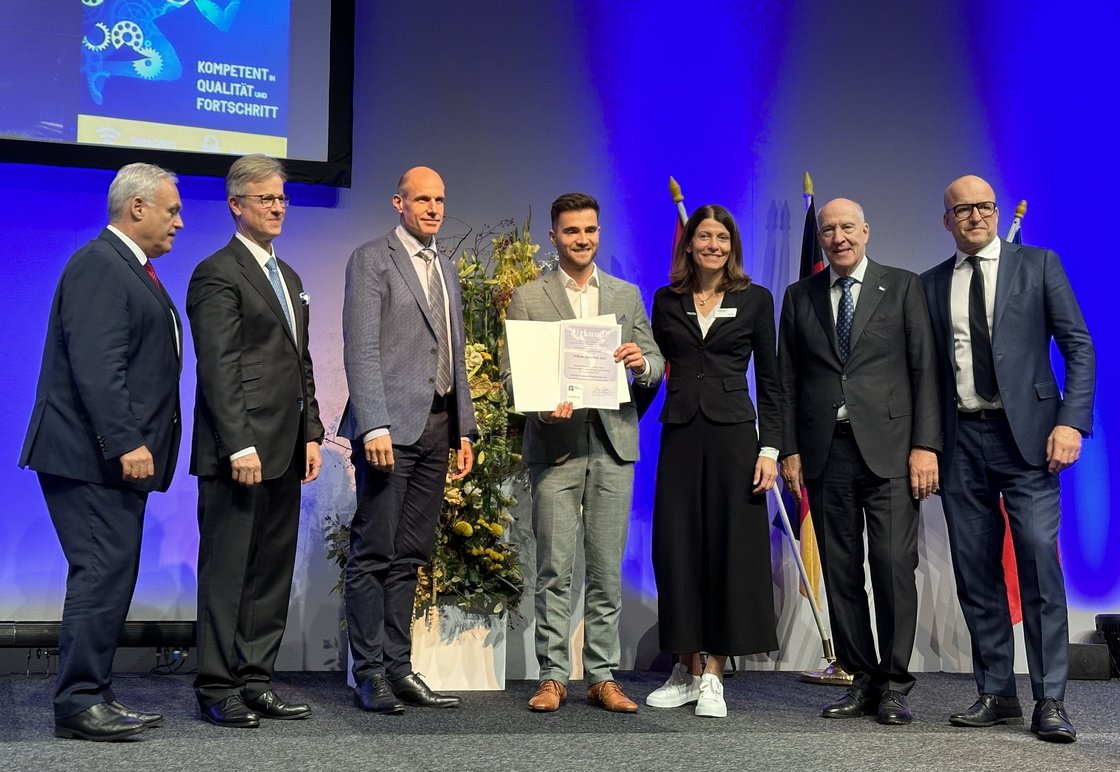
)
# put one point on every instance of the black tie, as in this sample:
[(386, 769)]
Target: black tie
[(983, 366)]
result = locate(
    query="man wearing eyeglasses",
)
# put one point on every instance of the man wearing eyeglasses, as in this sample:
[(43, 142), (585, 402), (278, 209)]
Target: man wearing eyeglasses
[(256, 438), (581, 465), (1009, 431)]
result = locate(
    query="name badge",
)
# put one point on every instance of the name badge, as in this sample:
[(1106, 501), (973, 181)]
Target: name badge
[(726, 313)]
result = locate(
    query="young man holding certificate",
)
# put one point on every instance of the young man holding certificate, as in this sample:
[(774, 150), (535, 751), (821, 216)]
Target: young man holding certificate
[(581, 463)]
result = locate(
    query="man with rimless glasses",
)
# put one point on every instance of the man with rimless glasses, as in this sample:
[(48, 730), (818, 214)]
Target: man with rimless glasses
[(1008, 431), (256, 438)]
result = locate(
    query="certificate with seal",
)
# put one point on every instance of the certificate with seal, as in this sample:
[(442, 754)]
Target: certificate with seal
[(566, 361)]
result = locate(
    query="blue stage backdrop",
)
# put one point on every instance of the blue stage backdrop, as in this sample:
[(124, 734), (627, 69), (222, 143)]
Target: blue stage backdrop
[(515, 104)]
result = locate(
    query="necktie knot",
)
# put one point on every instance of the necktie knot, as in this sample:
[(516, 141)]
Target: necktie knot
[(845, 282), (427, 254)]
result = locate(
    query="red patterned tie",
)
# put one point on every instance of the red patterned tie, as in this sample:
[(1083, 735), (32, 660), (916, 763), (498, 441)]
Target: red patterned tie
[(152, 272)]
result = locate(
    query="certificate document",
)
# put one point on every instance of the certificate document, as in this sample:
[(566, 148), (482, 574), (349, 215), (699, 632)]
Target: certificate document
[(566, 361), (588, 372)]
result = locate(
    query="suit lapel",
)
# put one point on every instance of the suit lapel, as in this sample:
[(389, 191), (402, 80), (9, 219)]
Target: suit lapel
[(872, 291), (941, 289), (554, 290), (157, 290), (254, 274), (298, 310), (403, 261), (1006, 273), (818, 297), (691, 315)]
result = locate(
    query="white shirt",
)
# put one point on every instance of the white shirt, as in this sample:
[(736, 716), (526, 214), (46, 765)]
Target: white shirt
[(834, 294), (139, 253), (585, 299), (967, 398)]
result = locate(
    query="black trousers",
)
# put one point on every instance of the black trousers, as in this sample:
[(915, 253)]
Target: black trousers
[(845, 497), (246, 554), (392, 534), (99, 527)]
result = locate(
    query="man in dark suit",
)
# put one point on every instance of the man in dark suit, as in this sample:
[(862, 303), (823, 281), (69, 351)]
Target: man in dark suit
[(862, 428), (104, 433), (995, 308), (256, 438), (402, 327), (581, 464)]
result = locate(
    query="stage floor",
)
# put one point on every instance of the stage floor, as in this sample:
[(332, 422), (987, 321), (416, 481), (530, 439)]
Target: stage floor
[(772, 724)]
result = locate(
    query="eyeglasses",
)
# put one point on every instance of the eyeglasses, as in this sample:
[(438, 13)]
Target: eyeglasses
[(266, 201), (964, 211)]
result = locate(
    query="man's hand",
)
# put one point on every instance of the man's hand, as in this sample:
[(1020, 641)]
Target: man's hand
[(314, 462), (247, 469), (1063, 447), (923, 473), (562, 412), (137, 464), (765, 473), (791, 474), (631, 356), (379, 453), (464, 460)]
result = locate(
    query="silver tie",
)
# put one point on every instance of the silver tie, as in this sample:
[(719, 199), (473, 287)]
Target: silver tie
[(278, 288), (439, 320)]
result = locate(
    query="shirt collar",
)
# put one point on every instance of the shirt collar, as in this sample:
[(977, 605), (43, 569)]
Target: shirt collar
[(411, 244), (989, 251), (132, 245), (857, 274), (571, 283), (256, 250)]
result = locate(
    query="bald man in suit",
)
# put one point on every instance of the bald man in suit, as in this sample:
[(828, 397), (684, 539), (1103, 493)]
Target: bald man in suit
[(1009, 431)]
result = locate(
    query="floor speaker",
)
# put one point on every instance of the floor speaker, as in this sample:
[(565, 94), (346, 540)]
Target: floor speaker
[(1089, 662)]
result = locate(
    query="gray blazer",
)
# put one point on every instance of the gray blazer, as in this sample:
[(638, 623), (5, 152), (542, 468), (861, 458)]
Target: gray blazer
[(389, 347), (544, 300)]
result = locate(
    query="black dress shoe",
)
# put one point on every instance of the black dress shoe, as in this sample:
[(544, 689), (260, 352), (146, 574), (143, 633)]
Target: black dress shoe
[(1051, 723), (989, 710), (269, 705), (150, 720), (231, 712), (99, 723), (373, 694), (853, 704), (411, 690), (894, 709)]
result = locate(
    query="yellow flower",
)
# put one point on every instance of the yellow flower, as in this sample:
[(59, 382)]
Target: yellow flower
[(497, 530), (463, 528)]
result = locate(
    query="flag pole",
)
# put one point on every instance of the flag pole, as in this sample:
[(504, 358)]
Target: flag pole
[(678, 199), (1020, 211)]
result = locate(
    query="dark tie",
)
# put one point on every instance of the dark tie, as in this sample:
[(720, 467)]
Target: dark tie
[(844, 315), (439, 320), (152, 272), (983, 366), (278, 288)]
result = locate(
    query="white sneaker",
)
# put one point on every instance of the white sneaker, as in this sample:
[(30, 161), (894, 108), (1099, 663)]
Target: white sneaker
[(711, 702), (681, 689)]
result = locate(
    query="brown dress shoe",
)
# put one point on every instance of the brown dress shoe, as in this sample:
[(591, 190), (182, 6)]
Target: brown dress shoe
[(550, 695), (608, 694)]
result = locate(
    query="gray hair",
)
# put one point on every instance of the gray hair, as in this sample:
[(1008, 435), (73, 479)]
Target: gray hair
[(251, 168), (137, 180)]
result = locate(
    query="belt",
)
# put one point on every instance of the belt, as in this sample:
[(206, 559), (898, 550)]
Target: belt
[(440, 402), (842, 429), (983, 414)]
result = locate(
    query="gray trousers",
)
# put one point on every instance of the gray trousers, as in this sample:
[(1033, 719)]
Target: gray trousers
[(594, 490)]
